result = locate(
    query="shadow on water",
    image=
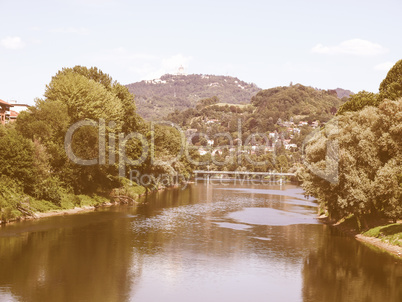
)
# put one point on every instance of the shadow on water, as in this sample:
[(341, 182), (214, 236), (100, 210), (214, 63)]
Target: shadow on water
[(345, 270), (86, 257)]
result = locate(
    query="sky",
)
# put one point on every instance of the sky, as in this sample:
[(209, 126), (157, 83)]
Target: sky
[(324, 44)]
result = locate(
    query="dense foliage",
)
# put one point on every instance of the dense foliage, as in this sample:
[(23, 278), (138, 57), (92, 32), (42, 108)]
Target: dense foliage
[(271, 120), (390, 88), (296, 101), (362, 149), (37, 167), (76, 94), (358, 101)]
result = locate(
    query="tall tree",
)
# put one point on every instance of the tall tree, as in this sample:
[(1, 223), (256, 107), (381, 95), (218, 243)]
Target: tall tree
[(74, 95), (358, 101), (366, 163), (391, 86)]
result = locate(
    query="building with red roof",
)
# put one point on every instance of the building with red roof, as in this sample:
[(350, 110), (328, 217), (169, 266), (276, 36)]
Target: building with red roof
[(10, 110), (13, 115), (4, 111)]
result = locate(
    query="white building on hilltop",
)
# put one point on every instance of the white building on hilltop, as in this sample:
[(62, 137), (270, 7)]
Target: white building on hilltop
[(181, 71)]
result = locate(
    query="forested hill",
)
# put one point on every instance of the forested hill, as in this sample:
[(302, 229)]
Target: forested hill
[(276, 122), (157, 98), (298, 102), (269, 110)]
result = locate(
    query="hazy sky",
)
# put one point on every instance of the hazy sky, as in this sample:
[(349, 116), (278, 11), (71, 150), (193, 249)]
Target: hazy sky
[(324, 44)]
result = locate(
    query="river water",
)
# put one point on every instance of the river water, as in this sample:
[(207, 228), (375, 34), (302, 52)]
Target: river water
[(204, 243)]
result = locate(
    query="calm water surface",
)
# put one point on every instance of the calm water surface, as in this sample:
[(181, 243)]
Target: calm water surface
[(204, 243)]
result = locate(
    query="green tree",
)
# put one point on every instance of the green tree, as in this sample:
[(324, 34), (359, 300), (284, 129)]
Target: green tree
[(16, 158), (11, 194), (388, 188), (76, 94), (207, 102), (358, 101), (367, 162), (84, 98), (391, 86)]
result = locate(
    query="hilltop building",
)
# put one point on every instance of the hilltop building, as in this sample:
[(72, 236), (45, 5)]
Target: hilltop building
[(181, 71)]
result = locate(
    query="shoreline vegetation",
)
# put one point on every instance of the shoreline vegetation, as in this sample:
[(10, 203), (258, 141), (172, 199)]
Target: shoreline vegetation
[(82, 204), (63, 152), (126, 195), (380, 234), (353, 166)]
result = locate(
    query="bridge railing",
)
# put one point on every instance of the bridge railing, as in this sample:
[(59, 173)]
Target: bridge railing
[(196, 172)]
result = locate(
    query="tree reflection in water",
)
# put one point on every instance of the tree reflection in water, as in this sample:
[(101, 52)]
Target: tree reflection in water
[(74, 258), (341, 271)]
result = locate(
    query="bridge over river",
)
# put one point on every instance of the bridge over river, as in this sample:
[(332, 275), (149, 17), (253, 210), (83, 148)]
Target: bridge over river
[(241, 176)]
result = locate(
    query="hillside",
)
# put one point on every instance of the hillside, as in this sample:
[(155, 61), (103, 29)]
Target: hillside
[(270, 110), (157, 98), (296, 101), (272, 127)]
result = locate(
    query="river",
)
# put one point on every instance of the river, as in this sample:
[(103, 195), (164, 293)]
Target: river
[(204, 243)]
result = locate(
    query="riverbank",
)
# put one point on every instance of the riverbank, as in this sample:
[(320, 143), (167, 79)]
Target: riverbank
[(20, 207), (371, 235), (59, 212), (121, 200), (75, 210), (127, 195)]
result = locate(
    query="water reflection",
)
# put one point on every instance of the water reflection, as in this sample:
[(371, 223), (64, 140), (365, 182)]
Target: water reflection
[(197, 252), (86, 258), (341, 270), (205, 243)]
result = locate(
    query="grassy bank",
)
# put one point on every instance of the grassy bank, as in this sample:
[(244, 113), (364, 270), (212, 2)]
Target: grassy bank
[(381, 233), (19, 206), (390, 234)]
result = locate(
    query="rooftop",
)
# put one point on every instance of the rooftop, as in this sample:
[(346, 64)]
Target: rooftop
[(4, 103)]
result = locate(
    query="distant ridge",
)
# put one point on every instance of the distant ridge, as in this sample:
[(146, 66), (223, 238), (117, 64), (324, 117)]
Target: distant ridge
[(343, 93), (157, 98)]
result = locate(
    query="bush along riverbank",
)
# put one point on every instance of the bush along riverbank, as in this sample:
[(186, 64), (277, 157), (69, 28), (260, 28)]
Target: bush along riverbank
[(16, 205), (380, 233)]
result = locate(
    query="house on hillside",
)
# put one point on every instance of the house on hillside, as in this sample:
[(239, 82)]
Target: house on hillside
[(237, 141), (290, 146), (213, 121), (315, 124), (190, 133), (202, 151), (273, 135), (219, 151)]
